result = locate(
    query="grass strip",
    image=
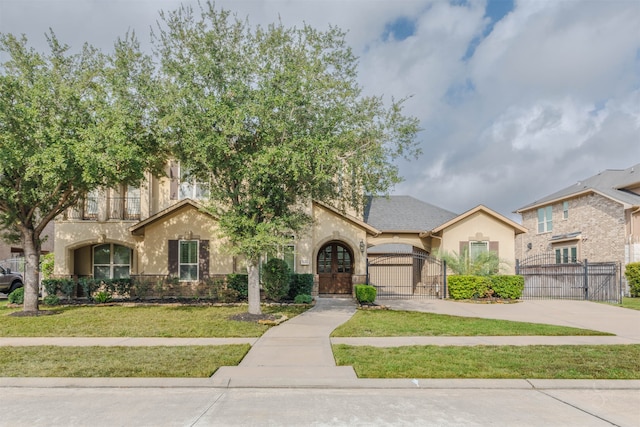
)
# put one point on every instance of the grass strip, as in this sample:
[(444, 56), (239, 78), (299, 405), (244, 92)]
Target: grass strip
[(183, 361), (392, 323), (632, 303), (532, 362), (139, 321)]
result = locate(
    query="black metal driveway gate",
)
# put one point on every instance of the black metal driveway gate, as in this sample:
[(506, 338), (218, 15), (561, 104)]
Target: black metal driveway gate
[(407, 275), (546, 279)]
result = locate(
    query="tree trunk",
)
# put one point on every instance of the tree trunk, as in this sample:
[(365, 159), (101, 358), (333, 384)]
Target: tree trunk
[(254, 286), (31, 249)]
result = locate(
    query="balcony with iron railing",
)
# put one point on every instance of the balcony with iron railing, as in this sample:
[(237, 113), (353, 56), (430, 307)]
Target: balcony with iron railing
[(126, 208), (123, 208)]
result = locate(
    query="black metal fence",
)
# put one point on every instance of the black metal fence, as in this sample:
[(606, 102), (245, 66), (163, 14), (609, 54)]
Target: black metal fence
[(544, 278), (407, 275)]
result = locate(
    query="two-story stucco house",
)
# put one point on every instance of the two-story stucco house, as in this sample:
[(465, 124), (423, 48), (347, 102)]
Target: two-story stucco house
[(162, 229), (597, 219)]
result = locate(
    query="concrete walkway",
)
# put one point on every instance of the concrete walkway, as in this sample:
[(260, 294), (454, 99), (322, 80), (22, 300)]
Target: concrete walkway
[(296, 352)]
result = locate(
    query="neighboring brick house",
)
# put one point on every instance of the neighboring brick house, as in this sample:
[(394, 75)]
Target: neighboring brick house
[(597, 219)]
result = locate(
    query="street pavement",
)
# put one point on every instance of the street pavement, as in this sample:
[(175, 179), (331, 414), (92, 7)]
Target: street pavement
[(289, 378)]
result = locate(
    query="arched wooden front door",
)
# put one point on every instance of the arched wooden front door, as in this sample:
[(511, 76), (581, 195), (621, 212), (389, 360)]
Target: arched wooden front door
[(335, 267)]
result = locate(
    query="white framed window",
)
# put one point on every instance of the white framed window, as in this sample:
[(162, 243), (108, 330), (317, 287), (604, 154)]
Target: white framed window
[(190, 188), (477, 247), (111, 261), (565, 210), (188, 260), (566, 255), (545, 219)]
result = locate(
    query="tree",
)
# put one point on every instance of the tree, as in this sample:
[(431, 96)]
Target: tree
[(486, 263), (69, 123), (273, 117)]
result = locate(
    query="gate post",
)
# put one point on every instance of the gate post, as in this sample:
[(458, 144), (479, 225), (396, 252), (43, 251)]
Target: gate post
[(586, 279), (367, 271), (517, 267), (444, 279)]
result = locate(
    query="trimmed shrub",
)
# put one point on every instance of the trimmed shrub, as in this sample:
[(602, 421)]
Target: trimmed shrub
[(226, 296), (632, 273), (240, 284), (275, 279), (303, 299), (468, 287), (366, 294), (65, 286), (51, 300), (17, 296), (509, 287), (301, 284)]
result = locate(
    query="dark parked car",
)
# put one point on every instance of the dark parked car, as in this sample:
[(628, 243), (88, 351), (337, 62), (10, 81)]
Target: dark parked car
[(9, 281)]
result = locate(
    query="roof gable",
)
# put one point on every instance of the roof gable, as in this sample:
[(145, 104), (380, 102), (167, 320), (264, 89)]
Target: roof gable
[(482, 209), (138, 229)]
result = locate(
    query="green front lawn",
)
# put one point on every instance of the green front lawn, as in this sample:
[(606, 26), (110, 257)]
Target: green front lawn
[(633, 303), (539, 361), (391, 323), (51, 361), (139, 321)]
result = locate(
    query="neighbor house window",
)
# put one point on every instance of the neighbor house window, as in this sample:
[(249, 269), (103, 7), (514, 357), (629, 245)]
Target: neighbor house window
[(545, 222), (567, 255), (111, 261), (188, 265), (565, 210), (476, 248)]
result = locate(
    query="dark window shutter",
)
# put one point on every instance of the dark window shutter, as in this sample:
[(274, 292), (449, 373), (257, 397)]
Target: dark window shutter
[(173, 258), (494, 246), (203, 261), (174, 177), (464, 247)]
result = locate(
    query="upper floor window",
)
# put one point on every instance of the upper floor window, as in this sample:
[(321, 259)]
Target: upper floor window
[(124, 203), (545, 221), (184, 184), (565, 210)]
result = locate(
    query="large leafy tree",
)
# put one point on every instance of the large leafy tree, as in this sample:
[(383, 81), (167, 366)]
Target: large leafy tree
[(69, 123), (273, 117)]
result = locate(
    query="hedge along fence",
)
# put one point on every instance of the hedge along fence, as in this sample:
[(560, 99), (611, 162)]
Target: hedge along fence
[(221, 288), (632, 273), (470, 287)]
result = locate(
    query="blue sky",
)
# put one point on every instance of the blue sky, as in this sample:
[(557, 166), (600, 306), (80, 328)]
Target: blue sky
[(517, 99)]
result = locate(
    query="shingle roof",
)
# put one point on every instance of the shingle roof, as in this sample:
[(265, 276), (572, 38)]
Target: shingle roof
[(611, 183), (404, 213)]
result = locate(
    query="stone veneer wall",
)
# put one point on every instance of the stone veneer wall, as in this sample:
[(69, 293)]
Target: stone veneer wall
[(599, 219)]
